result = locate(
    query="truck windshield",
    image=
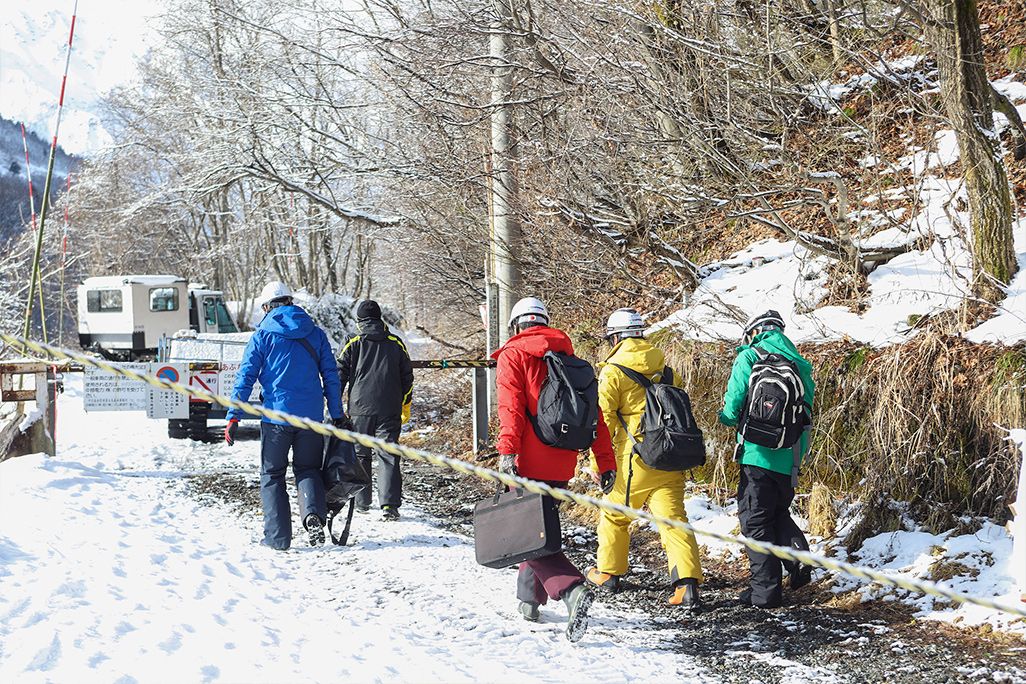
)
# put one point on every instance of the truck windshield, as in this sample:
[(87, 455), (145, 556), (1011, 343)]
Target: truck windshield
[(216, 314)]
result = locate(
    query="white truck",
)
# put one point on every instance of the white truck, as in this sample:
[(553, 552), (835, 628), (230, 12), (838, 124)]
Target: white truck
[(209, 361), (205, 361), (125, 317)]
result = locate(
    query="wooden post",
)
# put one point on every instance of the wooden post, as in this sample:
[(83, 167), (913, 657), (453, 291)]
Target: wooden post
[(39, 436)]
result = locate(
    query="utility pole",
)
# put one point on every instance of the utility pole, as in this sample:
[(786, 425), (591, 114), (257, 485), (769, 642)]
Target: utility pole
[(505, 227)]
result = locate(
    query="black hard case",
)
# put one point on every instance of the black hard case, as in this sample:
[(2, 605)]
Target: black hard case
[(515, 526)]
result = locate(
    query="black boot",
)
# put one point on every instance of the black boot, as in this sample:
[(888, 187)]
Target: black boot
[(315, 526), (578, 600), (800, 576)]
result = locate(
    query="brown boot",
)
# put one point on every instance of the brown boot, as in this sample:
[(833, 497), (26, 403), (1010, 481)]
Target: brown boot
[(685, 594), (603, 580)]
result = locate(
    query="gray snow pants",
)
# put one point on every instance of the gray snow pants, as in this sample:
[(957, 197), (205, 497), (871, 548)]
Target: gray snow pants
[(763, 504), (390, 481)]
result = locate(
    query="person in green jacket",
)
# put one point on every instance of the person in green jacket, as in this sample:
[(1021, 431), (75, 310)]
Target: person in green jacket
[(766, 488)]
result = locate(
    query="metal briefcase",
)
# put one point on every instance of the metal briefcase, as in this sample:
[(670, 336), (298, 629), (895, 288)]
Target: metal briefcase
[(515, 526)]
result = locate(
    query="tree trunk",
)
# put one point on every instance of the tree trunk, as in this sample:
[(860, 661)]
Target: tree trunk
[(833, 14), (954, 32)]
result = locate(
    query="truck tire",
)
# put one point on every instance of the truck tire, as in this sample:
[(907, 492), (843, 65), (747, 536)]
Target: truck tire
[(178, 429), (198, 421)]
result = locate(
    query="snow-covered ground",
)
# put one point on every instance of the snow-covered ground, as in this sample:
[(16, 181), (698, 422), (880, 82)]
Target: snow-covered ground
[(982, 561), (111, 571)]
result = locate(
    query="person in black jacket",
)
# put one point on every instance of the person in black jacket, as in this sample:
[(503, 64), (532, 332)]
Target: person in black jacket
[(376, 367)]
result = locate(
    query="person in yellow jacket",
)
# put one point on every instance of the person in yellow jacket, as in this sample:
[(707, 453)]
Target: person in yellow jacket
[(663, 491)]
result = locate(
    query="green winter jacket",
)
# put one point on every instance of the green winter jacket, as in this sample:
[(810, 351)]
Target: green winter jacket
[(773, 341)]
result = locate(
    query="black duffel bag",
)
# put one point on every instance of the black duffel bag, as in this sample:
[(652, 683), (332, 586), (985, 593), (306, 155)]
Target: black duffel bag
[(344, 477), (515, 526)]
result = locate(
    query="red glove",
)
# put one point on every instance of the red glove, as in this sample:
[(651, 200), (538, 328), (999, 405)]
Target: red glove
[(229, 431)]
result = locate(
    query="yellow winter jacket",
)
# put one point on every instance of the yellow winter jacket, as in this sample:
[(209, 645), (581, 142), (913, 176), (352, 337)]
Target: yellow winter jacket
[(617, 392)]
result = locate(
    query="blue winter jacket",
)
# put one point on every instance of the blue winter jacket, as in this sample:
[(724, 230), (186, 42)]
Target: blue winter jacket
[(288, 373)]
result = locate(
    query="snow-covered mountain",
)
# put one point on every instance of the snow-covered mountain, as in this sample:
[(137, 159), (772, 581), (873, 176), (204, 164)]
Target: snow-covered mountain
[(109, 35), (14, 205), (12, 154)]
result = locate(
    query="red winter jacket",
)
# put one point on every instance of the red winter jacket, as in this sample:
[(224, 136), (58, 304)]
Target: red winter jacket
[(519, 376)]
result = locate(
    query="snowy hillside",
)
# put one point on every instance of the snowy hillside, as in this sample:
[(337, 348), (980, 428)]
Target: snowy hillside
[(15, 210), (12, 154), (33, 40), (785, 276)]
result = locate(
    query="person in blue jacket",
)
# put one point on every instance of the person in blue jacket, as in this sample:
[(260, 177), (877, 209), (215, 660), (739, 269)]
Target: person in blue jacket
[(290, 357)]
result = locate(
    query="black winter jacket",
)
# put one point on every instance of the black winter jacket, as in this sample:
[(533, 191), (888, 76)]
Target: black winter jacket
[(376, 367)]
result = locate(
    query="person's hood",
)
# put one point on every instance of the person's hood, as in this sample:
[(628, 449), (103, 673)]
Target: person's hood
[(288, 321), (776, 342), (637, 354), (372, 328), (538, 340)]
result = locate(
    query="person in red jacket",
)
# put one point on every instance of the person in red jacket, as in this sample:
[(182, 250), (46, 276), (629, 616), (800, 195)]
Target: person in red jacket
[(520, 373)]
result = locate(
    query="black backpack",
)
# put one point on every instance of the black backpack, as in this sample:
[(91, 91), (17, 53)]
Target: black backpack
[(673, 440), (567, 404), (774, 414)]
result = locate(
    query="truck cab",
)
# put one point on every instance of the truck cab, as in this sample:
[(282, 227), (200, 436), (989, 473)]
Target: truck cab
[(207, 311)]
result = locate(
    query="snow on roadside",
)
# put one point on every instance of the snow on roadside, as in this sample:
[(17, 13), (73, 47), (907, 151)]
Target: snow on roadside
[(114, 572), (990, 562), (1017, 526), (978, 564), (1009, 325)]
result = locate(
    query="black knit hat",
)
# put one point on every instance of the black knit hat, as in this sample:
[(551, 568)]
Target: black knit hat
[(368, 308)]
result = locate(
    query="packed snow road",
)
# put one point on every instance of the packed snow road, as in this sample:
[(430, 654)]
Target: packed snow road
[(113, 570), (134, 558)]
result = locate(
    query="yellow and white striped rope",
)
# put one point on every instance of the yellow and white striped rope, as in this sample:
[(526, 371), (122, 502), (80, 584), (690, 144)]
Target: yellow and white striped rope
[(784, 553)]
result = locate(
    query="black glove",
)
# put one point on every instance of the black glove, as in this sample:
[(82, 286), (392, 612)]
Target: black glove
[(229, 431), (608, 478), (508, 464), (343, 423)]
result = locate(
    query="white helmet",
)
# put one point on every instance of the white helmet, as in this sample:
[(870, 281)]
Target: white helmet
[(273, 290), (528, 310), (625, 323)]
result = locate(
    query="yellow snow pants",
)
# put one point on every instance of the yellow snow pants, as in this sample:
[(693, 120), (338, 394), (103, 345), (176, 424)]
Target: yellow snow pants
[(663, 492)]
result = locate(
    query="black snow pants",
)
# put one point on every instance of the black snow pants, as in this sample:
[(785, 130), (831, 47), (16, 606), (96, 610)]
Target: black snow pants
[(763, 502), (307, 455), (390, 482)]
